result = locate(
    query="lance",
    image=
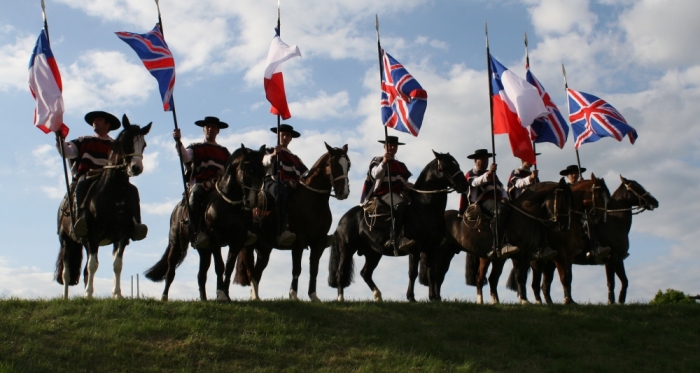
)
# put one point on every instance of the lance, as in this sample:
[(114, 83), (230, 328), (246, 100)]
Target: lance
[(527, 66), (59, 139), (493, 141), (392, 234), (566, 90), (178, 144)]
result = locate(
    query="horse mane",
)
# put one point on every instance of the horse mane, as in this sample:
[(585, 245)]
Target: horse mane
[(424, 173), (323, 159), (540, 190), (235, 155)]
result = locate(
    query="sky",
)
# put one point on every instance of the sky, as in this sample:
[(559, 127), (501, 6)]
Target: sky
[(640, 56)]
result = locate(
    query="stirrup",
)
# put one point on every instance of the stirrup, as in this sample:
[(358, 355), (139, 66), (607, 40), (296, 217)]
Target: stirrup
[(546, 254), (509, 250), (80, 228), (202, 240), (405, 244), (140, 232), (287, 238)]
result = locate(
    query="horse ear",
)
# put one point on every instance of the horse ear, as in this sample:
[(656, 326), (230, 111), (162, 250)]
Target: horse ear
[(345, 148), (262, 149), (593, 176), (242, 146), (436, 154), (125, 121), (145, 130), (623, 179), (328, 147), (562, 182)]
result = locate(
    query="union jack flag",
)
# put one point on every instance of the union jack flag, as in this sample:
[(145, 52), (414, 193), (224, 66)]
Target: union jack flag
[(551, 128), (155, 55), (592, 119), (403, 99)]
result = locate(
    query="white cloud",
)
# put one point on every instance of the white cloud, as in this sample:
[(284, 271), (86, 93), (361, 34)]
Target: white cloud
[(322, 106), (162, 208), (14, 59), (561, 16)]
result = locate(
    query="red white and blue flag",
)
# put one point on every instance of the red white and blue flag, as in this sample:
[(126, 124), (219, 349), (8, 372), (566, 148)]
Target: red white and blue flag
[(274, 81), (46, 87), (552, 127), (403, 99), (516, 104), (155, 55), (592, 118)]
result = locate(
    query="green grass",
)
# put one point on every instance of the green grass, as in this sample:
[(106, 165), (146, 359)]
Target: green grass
[(285, 336)]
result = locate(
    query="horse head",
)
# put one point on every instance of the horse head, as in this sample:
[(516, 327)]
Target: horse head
[(637, 195), (449, 170), (130, 145), (595, 195), (337, 169), (558, 204), (243, 176)]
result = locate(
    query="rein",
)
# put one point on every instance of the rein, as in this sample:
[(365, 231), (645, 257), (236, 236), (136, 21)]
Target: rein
[(331, 179), (446, 190)]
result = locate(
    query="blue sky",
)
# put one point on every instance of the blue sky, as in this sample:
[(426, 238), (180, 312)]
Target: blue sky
[(637, 55)]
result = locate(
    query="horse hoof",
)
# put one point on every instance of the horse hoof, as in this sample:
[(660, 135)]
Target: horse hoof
[(314, 297), (377, 296), (341, 298), (117, 296), (538, 302), (524, 301), (411, 300), (221, 296), (479, 299), (293, 295), (253, 295), (569, 302), (495, 300), (164, 298)]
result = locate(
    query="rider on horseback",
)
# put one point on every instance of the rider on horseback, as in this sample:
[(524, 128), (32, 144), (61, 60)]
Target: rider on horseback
[(481, 184), (594, 249), (89, 155), (377, 185), (207, 162), (519, 180), (282, 165)]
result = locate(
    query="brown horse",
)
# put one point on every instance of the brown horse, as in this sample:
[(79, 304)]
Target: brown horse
[(591, 198), (309, 217), (227, 218), (541, 208), (110, 208)]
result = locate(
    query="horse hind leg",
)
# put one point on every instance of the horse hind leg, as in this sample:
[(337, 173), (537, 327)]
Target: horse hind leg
[(413, 263), (371, 261), (622, 275), (610, 277), (296, 272), (496, 271), (118, 255)]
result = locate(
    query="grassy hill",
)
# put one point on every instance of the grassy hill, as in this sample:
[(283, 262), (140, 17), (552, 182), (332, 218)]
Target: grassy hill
[(273, 336)]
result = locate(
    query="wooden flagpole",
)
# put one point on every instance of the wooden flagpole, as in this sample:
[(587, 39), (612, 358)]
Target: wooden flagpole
[(59, 138), (178, 144), (493, 141), (277, 156), (566, 90), (392, 233), (527, 65)]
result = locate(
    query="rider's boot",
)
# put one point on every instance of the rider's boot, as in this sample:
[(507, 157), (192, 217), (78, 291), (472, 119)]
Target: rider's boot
[(545, 254), (600, 253), (80, 227), (250, 238), (287, 238), (405, 244)]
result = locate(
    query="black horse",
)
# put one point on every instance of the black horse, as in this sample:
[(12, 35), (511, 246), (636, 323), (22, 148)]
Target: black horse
[(424, 223), (109, 213), (227, 218), (309, 217), (540, 208)]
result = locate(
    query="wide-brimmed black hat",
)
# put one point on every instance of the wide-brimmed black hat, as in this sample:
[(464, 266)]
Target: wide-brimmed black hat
[(114, 123), (573, 169), (211, 120), (480, 153), (286, 128), (392, 140)]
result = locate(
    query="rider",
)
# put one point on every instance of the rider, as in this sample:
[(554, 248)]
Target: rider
[(291, 170), (89, 155), (481, 184), (594, 250), (377, 185), (207, 163), (519, 180)]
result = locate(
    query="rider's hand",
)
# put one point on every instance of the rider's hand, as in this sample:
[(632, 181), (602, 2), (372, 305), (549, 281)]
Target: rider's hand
[(387, 157), (533, 177), (176, 134)]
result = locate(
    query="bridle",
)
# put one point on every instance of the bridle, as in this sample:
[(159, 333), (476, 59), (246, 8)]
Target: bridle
[(643, 202), (449, 189), (244, 187), (330, 177), (116, 155)]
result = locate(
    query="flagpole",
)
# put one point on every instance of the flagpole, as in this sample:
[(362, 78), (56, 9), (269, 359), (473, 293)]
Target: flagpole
[(527, 66), (178, 144), (279, 120), (59, 138), (566, 90), (493, 141), (392, 234)]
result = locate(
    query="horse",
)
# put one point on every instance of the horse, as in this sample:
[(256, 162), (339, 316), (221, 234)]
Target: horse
[(424, 223), (590, 198), (309, 217), (227, 218), (110, 208), (540, 208)]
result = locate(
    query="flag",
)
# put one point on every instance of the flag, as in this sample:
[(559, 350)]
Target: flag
[(592, 119), (516, 104), (403, 99), (155, 55), (46, 87), (552, 127), (274, 82)]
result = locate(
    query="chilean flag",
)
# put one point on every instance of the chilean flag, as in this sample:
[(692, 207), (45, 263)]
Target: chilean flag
[(516, 104), (46, 87), (274, 83)]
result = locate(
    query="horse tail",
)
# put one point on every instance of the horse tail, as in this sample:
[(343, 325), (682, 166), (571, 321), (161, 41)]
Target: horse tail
[(340, 276), (512, 282), (472, 270), (241, 277), (159, 271), (71, 252)]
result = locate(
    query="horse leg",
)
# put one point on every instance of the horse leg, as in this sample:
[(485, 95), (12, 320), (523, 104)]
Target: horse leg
[(496, 271), (434, 277), (260, 265), (204, 263), (536, 281), (622, 275), (523, 266), (412, 275), (481, 279), (548, 272), (117, 263), (314, 257), (219, 268), (173, 258), (296, 272), (371, 261), (568, 279), (91, 268), (610, 277)]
